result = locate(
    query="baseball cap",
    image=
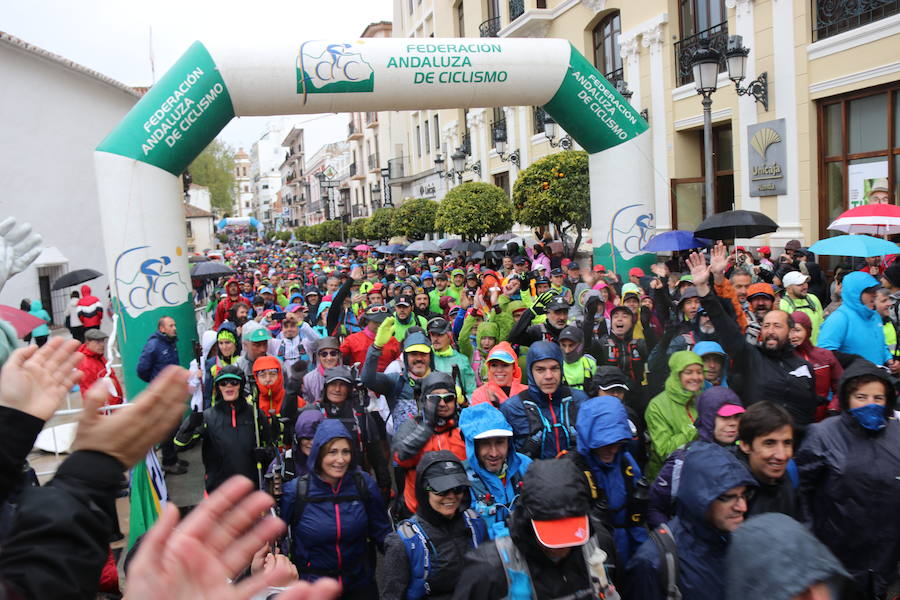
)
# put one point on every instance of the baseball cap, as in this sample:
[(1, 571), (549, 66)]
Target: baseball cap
[(446, 474), (689, 292), (636, 272), (426, 275), (456, 272), (599, 269), (339, 373), (95, 335), (404, 300), (519, 260), (556, 271), (765, 250), (760, 288), (794, 278), (327, 342), (540, 267), (502, 356), (440, 275), (573, 266), (556, 496), (265, 290), (729, 410), (572, 333), (259, 335), (558, 303), (438, 325), (608, 378)]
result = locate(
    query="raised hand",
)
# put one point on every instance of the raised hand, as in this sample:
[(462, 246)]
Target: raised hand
[(36, 380), (699, 272), (718, 261), (660, 269), (19, 246), (356, 273)]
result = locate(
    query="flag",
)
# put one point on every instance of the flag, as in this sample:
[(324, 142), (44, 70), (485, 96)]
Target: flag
[(148, 496)]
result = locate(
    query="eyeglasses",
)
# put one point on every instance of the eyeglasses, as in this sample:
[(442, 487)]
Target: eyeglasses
[(268, 372), (448, 398), (456, 491), (378, 308), (732, 498), (329, 353), (229, 383)]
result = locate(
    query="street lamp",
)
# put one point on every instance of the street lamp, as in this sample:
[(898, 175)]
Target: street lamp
[(385, 178), (550, 132), (736, 60), (500, 148), (459, 165), (705, 65)]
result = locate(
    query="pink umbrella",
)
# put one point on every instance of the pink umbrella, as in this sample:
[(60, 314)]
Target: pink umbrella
[(362, 248), (23, 322), (335, 245), (871, 219)]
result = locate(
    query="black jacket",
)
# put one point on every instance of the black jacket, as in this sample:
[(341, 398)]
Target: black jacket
[(524, 333), (781, 377), (778, 497)]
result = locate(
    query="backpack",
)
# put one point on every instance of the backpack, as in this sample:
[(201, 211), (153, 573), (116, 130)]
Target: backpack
[(362, 494), (668, 560), (538, 424), (420, 550)]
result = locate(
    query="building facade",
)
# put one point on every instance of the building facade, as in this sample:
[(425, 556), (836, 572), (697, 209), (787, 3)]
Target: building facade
[(243, 192), (293, 192), (327, 172), (266, 156)]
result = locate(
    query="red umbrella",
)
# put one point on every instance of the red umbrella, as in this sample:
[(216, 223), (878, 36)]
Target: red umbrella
[(23, 322), (871, 219)]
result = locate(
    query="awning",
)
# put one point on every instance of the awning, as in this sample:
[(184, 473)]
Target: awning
[(50, 257)]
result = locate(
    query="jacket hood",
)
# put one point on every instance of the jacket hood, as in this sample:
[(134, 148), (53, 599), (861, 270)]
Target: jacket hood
[(708, 471), (708, 405), (554, 489), (307, 423), (859, 368), (505, 347), (228, 326), (601, 421), (437, 380), (853, 286), (206, 343), (707, 347), (487, 329), (85, 291), (423, 506), (773, 556), (678, 362), (327, 430), (476, 420), (541, 351), (36, 305)]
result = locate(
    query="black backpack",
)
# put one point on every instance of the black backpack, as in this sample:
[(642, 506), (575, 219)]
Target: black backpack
[(668, 560), (362, 494)]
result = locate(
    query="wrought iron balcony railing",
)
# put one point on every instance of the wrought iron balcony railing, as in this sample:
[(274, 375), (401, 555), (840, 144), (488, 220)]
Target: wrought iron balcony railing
[(831, 17), (684, 51)]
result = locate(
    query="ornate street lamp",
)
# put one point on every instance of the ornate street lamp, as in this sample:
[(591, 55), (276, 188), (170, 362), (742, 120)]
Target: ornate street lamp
[(550, 132)]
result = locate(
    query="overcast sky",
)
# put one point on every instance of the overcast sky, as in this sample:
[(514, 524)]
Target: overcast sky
[(113, 37)]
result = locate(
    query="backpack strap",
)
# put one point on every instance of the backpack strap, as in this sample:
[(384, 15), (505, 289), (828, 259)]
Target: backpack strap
[(419, 551), (303, 498), (668, 560), (518, 578)]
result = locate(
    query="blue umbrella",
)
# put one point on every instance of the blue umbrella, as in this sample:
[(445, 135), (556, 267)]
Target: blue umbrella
[(676, 239), (396, 248), (854, 245)]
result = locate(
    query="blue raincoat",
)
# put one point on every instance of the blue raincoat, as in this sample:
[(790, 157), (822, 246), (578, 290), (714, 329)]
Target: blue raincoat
[(855, 328)]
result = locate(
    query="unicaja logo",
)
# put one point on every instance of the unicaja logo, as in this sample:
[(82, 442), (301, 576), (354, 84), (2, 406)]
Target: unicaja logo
[(325, 68), (764, 138)]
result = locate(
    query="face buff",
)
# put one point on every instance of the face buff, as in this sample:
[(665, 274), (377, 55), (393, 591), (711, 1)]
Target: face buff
[(870, 416)]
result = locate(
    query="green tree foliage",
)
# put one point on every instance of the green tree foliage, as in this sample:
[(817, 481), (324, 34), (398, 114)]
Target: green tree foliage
[(415, 218), (330, 231), (302, 233), (284, 236), (555, 190), (474, 210), (359, 229), (214, 168), (381, 224)]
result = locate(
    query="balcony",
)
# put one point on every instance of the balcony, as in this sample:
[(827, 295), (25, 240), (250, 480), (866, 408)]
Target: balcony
[(371, 119), (613, 77), (490, 27), (356, 173), (397, 167), (684, 51), (373, 162), (831, 18), (516, 9), (315, 207), (358, 211), (354, 131)]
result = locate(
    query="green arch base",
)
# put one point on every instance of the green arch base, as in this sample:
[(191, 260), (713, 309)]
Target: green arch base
[(603, 255)]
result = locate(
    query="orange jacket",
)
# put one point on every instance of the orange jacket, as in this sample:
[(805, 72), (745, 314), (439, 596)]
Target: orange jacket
[(447, 439), (726, 290), (490, 391)]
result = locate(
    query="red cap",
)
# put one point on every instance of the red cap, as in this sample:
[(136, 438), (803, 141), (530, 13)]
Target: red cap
[(565, 262), (562, 533), (636, 272), (741, 248), (765, 250), (599, 269)]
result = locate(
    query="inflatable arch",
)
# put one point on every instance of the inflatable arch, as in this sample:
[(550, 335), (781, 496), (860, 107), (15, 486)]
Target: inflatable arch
[(240, 222), (138, 166)]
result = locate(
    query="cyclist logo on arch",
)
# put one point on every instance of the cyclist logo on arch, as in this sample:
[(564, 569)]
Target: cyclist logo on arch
[(145, 280)]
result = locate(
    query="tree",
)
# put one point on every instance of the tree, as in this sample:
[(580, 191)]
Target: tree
[(284, 236), (415, 218), (301, 233), (381, 224), (214, 168), (358, 229), (474, 210), (330, 231), (555, 190)]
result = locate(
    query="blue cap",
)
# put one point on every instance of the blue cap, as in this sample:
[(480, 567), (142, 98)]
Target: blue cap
[(426, 275)]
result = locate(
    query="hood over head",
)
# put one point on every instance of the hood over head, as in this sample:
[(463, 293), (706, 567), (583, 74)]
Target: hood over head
[(484, 421), (863, 368), (327, 430), (504, 351), (541, 351), (678, 362), (437, 380), (854, 284), (36, 305), (789, 558), (708, 472), (307, 423), (207, 341), (423, 507), (708, 347), (708, 405), (487, 329), (601, 421), (554, 489)]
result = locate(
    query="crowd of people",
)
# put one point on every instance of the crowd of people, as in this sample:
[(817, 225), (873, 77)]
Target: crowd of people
[(721, 426)]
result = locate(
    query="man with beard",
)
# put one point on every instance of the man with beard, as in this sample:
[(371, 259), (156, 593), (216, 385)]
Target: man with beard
[(771, 370), (761, 299), (557, 311), (796, 284), (422, 304), (237, 316), (405, 317)]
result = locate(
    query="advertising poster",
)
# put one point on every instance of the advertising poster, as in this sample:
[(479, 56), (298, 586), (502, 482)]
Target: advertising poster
[(861, 178)]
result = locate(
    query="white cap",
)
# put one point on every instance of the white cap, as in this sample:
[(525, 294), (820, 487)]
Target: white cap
[(794, 278), (492, 433)]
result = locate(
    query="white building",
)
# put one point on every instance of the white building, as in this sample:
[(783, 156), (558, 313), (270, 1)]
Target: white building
[(293, 189), (200, 224), (243, 193), (333, 162), (266, 157), (53, 113)]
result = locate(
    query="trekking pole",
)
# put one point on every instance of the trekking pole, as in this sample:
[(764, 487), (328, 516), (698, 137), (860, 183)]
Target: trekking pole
[(257, 450)]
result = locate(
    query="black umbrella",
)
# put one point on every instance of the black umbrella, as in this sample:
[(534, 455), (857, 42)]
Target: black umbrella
[(497, 247), (210, 270), (462, 246), (75, 277), (733, 224), (197, 259)]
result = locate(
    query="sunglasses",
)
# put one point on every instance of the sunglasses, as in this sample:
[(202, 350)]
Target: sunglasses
[(268, 372), (328, 353), (380, 308), (229, 383), (445, 398), (456, 491)]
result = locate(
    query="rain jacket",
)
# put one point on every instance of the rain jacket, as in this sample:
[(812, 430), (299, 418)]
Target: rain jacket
[(492, 497), (849, 487), (854, 328), (490, 391), (546, 426), (217, 362), (603, 421), (159, 352), (226, 303), (331, 535), (37, 310), (709, 471), (447, 359), (90, 311), (708, 347), (787, 555), (397, 388), (671, 414), (93, 368), (273, 401), (665, 486), (305, 428)]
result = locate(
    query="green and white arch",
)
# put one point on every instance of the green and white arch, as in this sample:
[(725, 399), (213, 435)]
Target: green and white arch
[(138, 165)]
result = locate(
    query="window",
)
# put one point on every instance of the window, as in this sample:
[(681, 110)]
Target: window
[(699, 19), (460, 20), (859, 144), (700, 15), (501, 180), (418, 141), (688, 194), (538, 116), (832, 18), (427, 137), (437, 133), (607, 58)]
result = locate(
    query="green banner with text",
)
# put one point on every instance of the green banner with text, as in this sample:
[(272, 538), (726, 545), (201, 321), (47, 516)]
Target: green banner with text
[(589, 108), (178, 117)]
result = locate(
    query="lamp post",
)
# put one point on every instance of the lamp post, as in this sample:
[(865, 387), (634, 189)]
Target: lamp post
[(500, 148), (550, 132), (459, 165), (385, 179)]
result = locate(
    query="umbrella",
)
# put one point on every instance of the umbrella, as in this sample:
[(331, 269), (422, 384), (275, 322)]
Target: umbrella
[(423, 246), (210, 270), (197, 259), (362, 247), (383, 249), (335, 245), (21, 321), (676, 239), (734, 224), (395, 248), (462, 246), (75, 277), (874, 219), (447, 244), (497, 247), (854, 245), (504, 237), (477, 255)]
